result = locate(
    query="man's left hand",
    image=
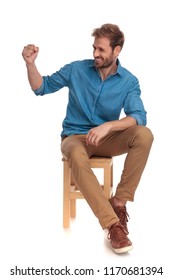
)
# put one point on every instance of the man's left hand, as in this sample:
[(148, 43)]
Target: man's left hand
[(97, 133)]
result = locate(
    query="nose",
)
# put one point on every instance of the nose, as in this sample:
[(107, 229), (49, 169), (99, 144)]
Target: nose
[(96, 53)]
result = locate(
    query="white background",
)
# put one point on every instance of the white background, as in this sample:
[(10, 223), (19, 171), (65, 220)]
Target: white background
[(31, 169)]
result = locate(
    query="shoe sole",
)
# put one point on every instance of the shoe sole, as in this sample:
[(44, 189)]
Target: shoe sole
[(122, 250)]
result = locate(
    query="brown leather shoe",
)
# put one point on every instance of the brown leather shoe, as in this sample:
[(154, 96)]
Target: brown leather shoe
[(121, 212), (118, 238)]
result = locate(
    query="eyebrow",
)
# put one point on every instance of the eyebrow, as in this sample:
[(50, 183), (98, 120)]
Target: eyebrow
[(102, 49)]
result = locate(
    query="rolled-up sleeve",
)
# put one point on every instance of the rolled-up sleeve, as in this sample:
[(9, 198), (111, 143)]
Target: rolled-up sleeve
[(40, 90), (133, 105)]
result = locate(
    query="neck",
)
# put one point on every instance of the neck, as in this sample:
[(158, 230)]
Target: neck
[(105, 72)]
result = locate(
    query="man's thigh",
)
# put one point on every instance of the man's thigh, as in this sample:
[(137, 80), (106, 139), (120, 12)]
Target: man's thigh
[(118, 143), (73, 143)]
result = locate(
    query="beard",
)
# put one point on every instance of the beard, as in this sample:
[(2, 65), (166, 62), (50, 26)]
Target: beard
[(101, 64)]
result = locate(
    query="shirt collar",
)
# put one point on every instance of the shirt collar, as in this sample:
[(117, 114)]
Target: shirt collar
[(119, 68)]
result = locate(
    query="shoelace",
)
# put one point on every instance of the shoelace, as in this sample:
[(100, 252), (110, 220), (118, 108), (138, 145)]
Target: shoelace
[(121, 212), (117, 231), (123, 215)]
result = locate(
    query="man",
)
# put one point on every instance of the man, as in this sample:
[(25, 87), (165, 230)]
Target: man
[(98, 90)]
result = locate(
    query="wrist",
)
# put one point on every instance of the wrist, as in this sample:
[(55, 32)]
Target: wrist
[(111, 126), (30, 64)]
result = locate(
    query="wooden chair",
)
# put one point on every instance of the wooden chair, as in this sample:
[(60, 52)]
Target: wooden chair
[(71, 192)]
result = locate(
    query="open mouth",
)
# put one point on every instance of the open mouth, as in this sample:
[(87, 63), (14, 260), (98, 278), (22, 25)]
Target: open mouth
[(98, 60)]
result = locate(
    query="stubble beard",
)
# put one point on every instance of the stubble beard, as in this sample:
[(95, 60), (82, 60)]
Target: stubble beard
[(106, 64)]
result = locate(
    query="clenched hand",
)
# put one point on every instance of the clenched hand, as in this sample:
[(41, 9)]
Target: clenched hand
[(30, 53)]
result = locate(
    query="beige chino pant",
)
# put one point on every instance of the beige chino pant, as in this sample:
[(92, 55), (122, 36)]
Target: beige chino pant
[(135, 141)]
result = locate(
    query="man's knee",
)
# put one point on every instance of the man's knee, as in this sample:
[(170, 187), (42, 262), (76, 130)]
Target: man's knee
[(144, 136)]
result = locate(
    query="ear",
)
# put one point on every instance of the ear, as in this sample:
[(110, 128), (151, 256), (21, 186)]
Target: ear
[(117, 51)]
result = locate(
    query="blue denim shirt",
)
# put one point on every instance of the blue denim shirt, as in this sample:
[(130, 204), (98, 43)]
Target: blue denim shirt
[(93, 101)]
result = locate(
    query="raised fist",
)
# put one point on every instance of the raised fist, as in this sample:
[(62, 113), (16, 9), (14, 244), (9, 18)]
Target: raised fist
[(30, 53)]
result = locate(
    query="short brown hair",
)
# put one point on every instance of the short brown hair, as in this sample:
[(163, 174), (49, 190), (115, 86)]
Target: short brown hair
[(112, 32)]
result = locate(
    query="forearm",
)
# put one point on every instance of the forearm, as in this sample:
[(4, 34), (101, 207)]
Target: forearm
[(95, 134), (34, 77), (122, 124)]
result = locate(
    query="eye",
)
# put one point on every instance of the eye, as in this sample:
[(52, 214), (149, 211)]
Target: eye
[(101, 50)]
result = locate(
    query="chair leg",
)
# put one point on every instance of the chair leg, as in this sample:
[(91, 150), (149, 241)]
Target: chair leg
[(66, 196), (72, 208), (72, 201)]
